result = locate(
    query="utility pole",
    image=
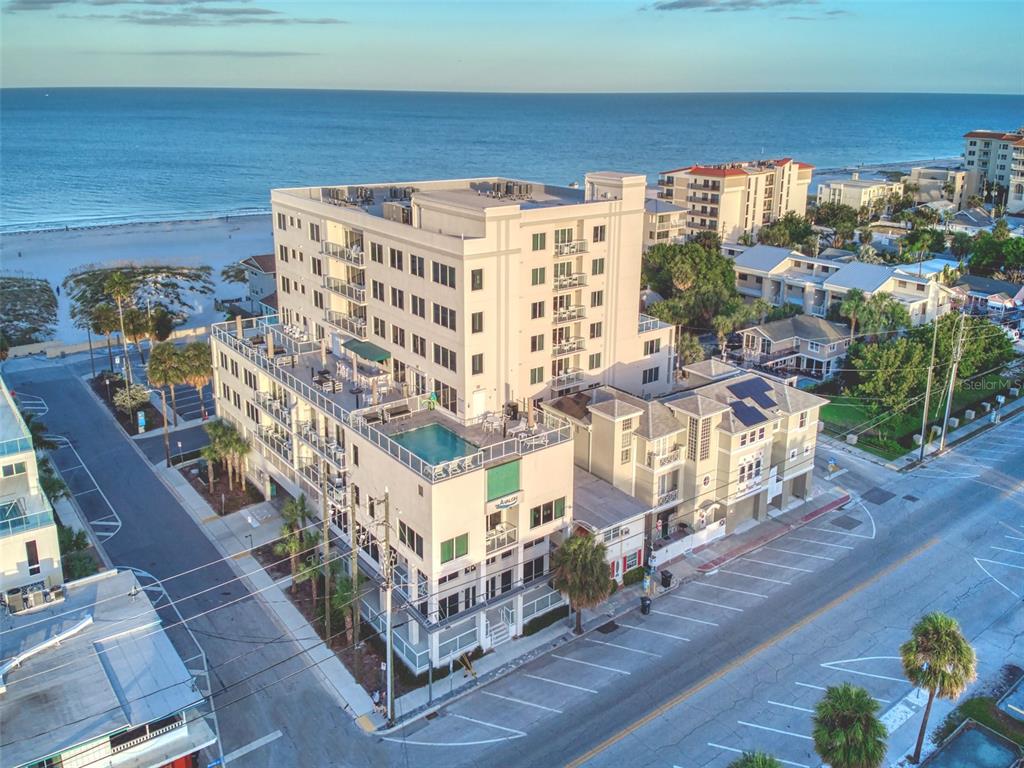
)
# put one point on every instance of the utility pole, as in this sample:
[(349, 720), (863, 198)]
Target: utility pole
[(354, 576), (928, 390), (958, 351), (388, 585), (325, 511)]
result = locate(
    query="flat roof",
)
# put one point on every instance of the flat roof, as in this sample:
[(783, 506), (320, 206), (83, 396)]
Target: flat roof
[(972, 745), (599, 504), (118, 672)]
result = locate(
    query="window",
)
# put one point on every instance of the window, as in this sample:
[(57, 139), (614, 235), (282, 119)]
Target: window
[(318, 300), (377, 253), (596, 330), (803, 419), (314, 232), (537, 310), (282, 221), (565, 235), (380, 328), (419, 305), (650, 375), (10, 470), (652, 347), (476, 280), (540, 241), (632, 560), (282, 252), (476, 322), (477, 364), (599, 233), (416, 264), (597, 299), (537, 375), (443, 274), (444, 317), (444, 357), (705, 439), (545, 513), (395, 257), (398, 336), (316, 266), (453, 548), (32, 555), (537, 276), (410, 538), (533, 569), (419, 345), (597, 266), (537, 343), (447, 606), (595, 361), (377, 290), (625, 455), (398, 298)]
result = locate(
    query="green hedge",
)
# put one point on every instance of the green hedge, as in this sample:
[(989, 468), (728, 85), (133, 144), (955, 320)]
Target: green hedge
[(633, 576), (546, 620)]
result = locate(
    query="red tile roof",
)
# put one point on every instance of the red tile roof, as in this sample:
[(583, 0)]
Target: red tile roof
[(734, 169), (710, 170), (997, 135)]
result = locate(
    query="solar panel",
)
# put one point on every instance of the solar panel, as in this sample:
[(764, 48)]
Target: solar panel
[(756, 389), (747, 415)]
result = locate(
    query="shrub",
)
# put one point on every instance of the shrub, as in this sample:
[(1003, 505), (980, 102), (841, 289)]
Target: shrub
[(78, 565), (538, 623), (613, 588), (633, 576)]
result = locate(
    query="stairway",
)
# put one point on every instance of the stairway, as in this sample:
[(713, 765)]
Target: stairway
[(499, 634)]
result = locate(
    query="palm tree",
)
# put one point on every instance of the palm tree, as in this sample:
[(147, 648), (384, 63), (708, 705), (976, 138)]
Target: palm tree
[(937, 657), (37, 431), (289, 545), (104, 321), (847, 732), (122, 291), (852, 307), (755, 760), (689, 349), (343, 594), (580, 571), (216, 450), (760, 308), (310, 569), (212, 456), (236, 447), (162, 370), (723, 325), (198, 368)]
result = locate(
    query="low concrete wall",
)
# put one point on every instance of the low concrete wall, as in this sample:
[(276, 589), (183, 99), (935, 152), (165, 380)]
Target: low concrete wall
[(58, 348)]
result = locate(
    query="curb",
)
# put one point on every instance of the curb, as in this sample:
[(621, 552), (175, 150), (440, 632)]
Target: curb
[(960, 440)]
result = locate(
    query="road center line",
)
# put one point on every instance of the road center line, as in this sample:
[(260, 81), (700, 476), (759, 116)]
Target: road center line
[(655, 632), (707, 602), (800, 554), (751, 576), (559, 682), (252, 746), (740, 752), (590, 664), (775, 730), (521, 701), (485, 723), (685, 618), (820, 543), (789, 706), (729, 589), (779, 565), (622, 647)]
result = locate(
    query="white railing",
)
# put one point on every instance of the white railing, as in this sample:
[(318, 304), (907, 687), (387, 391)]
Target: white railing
[(648, 323), (569, 314), (330, 450), (668, 496), (568, 282), (278, 443), (568, 347), (277, 408), (349, 254), (656, 460), (567, 378), (418, 661), (571, 247), (542, 604), (352, 291), (354, 326), (506, 534), (457, 644)]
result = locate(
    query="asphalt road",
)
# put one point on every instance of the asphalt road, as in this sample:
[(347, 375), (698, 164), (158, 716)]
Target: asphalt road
[(183, 441)]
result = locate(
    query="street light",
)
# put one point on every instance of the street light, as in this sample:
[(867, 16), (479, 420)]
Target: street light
[(180, 454)]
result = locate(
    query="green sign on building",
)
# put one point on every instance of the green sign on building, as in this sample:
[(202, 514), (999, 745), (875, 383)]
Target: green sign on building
[(503, 480)]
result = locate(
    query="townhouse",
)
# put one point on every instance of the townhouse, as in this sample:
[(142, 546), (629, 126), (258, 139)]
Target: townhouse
[(803, 344), (857, 192), (781, 276), (736, 199), (933, 184)]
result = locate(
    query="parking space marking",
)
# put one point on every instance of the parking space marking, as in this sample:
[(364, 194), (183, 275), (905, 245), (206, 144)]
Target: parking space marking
[(730, 589), (775, 730), (789, 706), (82, 493), (834, 666), (999, 562), (621, 647), (655, 632), (741, 751), (779, 565), (520, 701), (820, 543), (685, 618), (590, 664), (489, 725), (1015, 538), (751, 576), (815, 687), (707, 602), (801, 554), (559, 682), (1005, 549)]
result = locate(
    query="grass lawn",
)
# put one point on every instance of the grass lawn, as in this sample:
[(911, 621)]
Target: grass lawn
[(893, 435), (984, 710)]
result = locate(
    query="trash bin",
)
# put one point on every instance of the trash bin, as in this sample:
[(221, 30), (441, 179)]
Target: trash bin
[(666, 579), (645, 605)]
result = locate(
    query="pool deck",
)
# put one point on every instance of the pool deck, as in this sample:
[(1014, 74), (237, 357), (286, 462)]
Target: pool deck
[(472, 433), (972, 745)]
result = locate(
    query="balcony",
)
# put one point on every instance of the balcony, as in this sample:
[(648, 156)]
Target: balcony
[(646, 324), (349, 254), (662, 459), (712, 187), (568, 282), (276, 441), (277, 408), (570, 248), (352, 291), (567, 378), (668, 496), (666, 181), (569, 314), (325, 447), (711, 213), (501, 536), (15, 518), (568, 347), (350, 324), (709, 227), (705, 199)]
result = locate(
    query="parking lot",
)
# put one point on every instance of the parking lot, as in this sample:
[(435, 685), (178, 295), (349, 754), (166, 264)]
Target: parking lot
[(694, 615), (89, 497), (187, 399)]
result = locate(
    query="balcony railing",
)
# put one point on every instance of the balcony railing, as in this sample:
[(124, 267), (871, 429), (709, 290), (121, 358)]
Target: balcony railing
[(15, 445), (668, 496), (656, 460), (276, 441), (568, 347), (278, 409), (705, 199), (504, 535), (350, 254), (570, 248), (353, 291), (567, 378), (328, 448), (569, 314), (713, 187), (568, 282), (14, 519), (350, 324), (647, 324)]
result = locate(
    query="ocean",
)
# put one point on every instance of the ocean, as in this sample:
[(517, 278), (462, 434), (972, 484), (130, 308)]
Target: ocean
[(88, 156)]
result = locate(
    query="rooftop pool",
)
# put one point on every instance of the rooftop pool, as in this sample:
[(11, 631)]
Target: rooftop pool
[(434, 443)]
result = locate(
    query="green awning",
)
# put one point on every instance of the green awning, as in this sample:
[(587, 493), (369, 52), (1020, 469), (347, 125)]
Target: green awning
[(367, 350)]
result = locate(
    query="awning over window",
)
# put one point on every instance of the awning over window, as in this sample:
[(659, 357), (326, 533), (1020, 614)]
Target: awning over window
[(367, 350)]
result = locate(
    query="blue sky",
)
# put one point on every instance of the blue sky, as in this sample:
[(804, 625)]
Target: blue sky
[(508, 45)]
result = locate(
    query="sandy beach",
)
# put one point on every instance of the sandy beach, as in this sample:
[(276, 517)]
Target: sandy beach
[(214, 242), (876, 170)]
